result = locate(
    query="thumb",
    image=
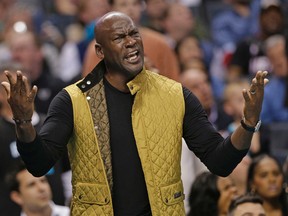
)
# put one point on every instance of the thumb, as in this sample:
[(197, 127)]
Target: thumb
[(6, 86)]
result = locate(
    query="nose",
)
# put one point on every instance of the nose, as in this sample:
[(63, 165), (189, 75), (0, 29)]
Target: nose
[(41, 186), (130, 41)]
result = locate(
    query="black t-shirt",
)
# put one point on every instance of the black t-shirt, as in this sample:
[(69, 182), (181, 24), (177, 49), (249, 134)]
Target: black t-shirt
[(129, 192)]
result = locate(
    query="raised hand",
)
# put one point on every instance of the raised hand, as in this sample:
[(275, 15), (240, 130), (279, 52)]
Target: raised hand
[(20, 96), (254, 97)]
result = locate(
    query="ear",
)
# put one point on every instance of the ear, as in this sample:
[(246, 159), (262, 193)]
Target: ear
[(99, 51), (16, 197)]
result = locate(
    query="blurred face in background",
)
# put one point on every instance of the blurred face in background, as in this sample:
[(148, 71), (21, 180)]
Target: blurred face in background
[(156, 8), (234, 100), (34, 193), (132, 8), (268, 179), (197, 82), (90, 10), (272, 20), (25, 51), (188, 50), (277, 57), (249, 209)]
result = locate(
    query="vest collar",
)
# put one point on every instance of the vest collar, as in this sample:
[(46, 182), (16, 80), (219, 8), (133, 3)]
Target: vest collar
[(97, 74), (93, 77), (135, 84)]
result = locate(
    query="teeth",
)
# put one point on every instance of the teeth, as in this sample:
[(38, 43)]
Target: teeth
[(132, 57), (132, 54)]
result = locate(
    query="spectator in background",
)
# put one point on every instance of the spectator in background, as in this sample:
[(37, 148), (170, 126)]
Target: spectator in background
[(178, 22), (25, 48), (266, 179), (233, 25), (74, 49), (156, 50), (9, 154), (249, 56), (21, 18), (229, 27), (211, 195), (197, 81), (275, 103), (152, 16), (33, 194), (190, 53), (248, 204)]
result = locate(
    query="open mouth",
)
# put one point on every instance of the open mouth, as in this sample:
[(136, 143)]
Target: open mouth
[(132, 57)]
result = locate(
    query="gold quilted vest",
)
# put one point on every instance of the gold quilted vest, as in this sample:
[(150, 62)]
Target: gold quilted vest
[(157, 118)]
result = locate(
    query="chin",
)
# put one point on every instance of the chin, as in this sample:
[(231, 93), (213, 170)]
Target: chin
[(134, 70)]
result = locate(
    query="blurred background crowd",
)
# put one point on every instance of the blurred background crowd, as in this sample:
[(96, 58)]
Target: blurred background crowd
[(212, 47)]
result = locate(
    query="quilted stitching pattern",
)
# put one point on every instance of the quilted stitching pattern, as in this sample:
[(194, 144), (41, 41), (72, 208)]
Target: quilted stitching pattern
[(86, 161), (98, 109), (157, 121)]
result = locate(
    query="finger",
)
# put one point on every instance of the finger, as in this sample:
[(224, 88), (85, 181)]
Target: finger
[(19, 79), (253, 85), (262, 77), (245, 95), (26, 84), (266, 81), (6, 87), (10, 77), (33, 93)]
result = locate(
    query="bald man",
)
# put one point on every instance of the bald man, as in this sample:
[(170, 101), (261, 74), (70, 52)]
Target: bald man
[(124, 127)]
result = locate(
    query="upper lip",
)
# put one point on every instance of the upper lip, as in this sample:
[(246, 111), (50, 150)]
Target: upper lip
[(131, 53)]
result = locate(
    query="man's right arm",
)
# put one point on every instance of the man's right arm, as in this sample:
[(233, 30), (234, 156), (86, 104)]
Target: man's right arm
[(48, 146)]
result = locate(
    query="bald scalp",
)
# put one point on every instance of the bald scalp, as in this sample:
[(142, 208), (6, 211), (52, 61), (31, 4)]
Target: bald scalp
[(105, 22)]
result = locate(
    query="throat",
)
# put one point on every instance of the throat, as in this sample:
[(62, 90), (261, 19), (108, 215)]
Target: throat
[(116, 82)]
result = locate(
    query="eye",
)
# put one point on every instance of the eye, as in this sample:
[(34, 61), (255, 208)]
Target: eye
[(118, 39), (136, 34)]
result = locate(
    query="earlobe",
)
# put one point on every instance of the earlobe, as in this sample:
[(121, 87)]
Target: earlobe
[(15, 197), (99, 51)]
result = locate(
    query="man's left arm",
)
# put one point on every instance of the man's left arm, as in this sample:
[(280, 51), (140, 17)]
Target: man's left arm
[(241, 137)]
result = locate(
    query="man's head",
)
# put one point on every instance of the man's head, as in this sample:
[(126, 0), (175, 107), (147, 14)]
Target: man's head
[(198, 82), (271, 18), (119, 43), (246, 205), (275, 51), (26, 50), (31, 193)]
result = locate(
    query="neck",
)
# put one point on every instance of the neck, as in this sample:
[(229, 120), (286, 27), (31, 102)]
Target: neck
[(47, 211), (272, 206), (117, 81)]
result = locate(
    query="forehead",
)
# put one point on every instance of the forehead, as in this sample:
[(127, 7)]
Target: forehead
[(24, 177), (119, 25), (267, 164), (250, 209)]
